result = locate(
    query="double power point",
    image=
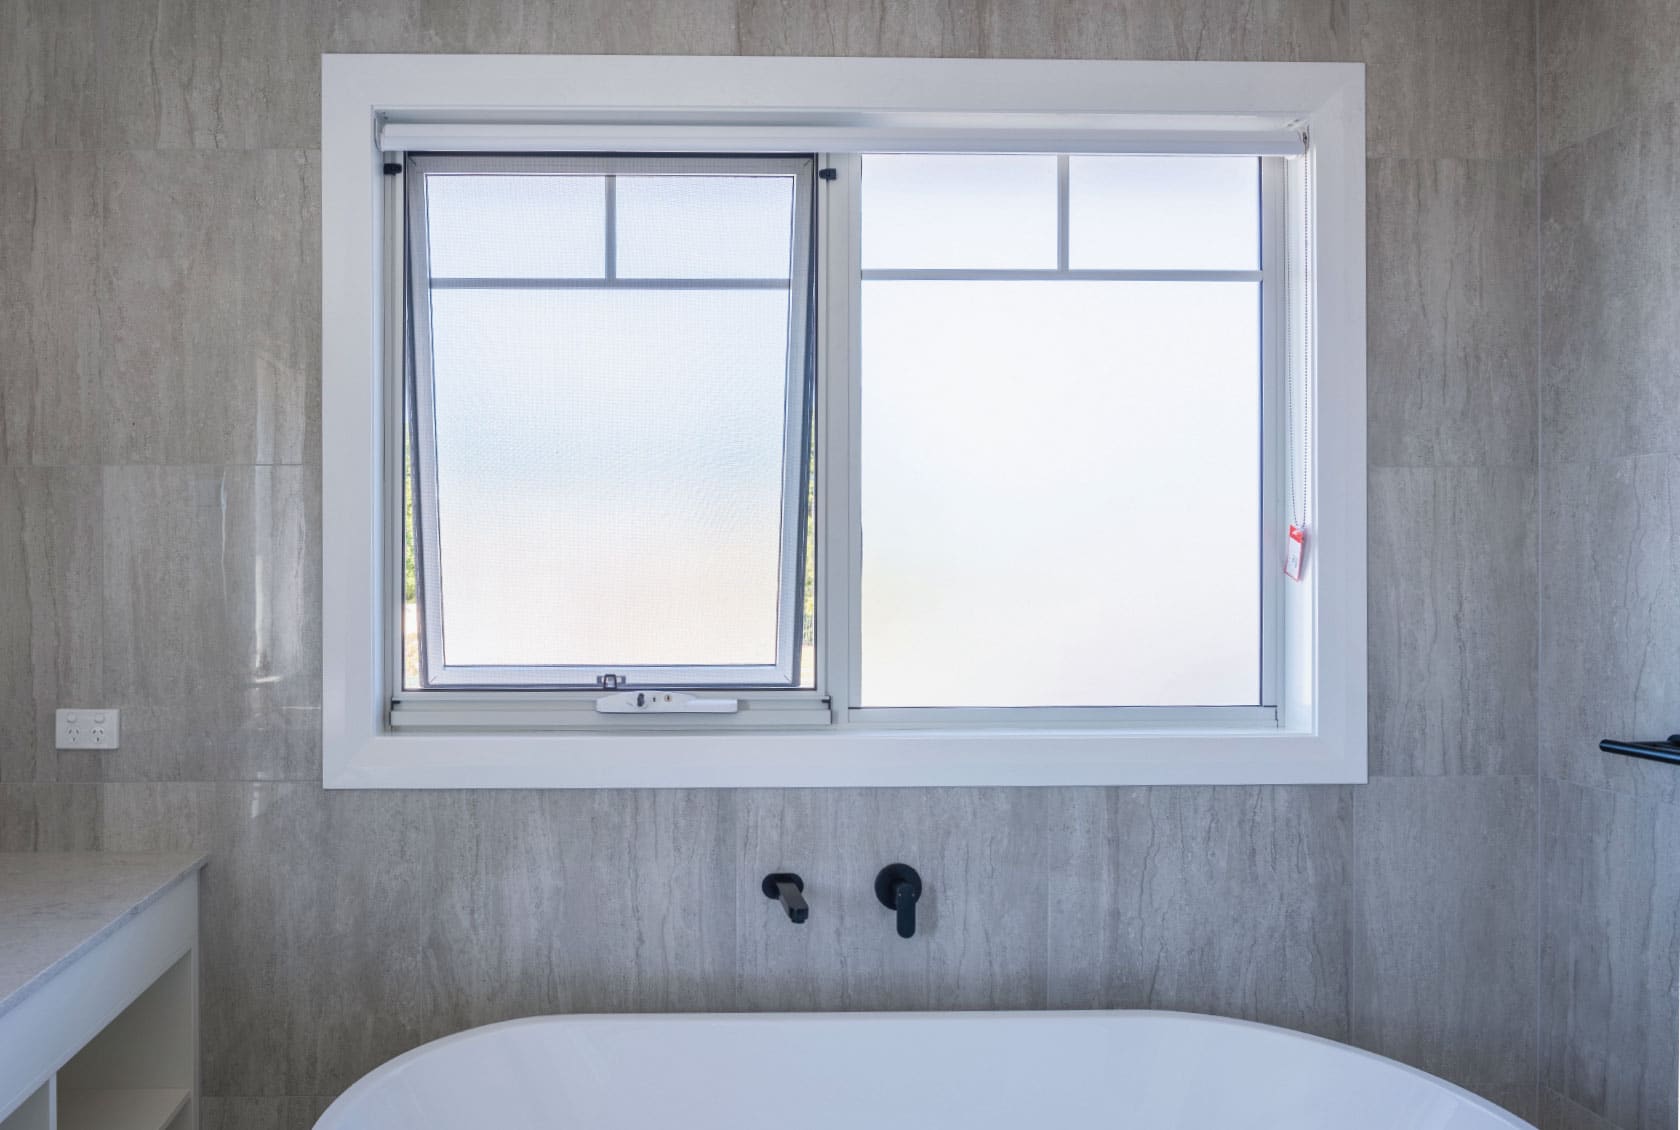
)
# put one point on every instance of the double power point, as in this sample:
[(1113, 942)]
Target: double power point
[(87, 729)]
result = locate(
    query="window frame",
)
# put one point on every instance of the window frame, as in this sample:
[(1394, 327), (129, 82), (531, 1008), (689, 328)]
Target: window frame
[(843, 448), (1316, 734), (419, 376)]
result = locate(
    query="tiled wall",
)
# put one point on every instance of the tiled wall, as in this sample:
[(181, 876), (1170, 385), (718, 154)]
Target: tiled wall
[(1610, 557), (159, 550)]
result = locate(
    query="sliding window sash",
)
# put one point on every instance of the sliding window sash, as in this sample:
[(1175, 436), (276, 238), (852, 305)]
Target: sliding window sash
[(843, 279)]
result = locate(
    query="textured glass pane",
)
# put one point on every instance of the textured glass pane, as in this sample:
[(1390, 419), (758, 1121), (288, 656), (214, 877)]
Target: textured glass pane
[(610, 474), (1164, 213), (1060, 493), (516, 226), (704, 227), (946, 211)]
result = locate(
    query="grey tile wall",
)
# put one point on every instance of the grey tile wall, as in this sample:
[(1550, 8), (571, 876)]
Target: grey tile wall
[(612, 27), (1451, 620), (48, 74), (247, 1113), (1611, 617), (50, 817), (1609, 92), (1602, 61), (1194, 29), (50, 392), (1611, 266), (1138, 29), (1452, 359), (1443, 977), (159, 542), (211, 624), (981, 920), (51, 631), (1442, 961), (1558, 1113), (228, 238), (1234, 901), (191, 74), (1441, 77), (862, 27), (1611, 952)]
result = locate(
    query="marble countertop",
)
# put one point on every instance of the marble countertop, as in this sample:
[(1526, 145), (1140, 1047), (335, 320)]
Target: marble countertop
[(56, 906)]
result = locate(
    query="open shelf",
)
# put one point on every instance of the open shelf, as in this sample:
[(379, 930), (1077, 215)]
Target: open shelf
[(37, 1111), (137, 1073), (107, 1036), (137, 1109)]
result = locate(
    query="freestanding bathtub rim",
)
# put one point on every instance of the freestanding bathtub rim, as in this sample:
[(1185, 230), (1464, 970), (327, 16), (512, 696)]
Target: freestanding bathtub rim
[(374, 1078)]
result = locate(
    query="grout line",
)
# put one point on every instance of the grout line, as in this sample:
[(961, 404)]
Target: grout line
[(1631, 795), (1539, 565)]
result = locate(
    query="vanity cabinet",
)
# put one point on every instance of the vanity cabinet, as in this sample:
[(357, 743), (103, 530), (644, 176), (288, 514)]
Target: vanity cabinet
[(99, 991)]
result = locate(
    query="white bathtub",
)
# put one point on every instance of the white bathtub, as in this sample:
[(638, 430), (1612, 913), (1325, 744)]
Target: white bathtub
[(899, 1071)]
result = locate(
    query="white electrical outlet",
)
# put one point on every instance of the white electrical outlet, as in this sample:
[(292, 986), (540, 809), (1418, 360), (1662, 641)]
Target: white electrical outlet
[(88, 729)]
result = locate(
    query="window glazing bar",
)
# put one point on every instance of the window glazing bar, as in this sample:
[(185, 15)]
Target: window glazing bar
[(1062, 190), (1207, 718), (607, 284), (1028, 275), (611, 211)]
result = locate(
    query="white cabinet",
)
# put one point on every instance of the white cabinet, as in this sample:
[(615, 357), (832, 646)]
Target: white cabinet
[(104, 1036)]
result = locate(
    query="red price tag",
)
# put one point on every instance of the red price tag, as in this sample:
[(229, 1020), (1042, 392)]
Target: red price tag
[(1294, 551)]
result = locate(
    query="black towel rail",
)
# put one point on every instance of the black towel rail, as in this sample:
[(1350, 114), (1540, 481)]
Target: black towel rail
[(1667, 752)]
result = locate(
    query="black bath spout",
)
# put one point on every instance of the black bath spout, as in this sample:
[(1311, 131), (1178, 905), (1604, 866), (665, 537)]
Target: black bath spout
[(898, 887), (788, 889)]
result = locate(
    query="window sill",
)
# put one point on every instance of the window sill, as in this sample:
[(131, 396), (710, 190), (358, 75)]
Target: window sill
[(850, 757)]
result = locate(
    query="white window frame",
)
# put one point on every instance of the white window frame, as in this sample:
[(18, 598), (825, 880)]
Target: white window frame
[(790, 589), (375, 104)]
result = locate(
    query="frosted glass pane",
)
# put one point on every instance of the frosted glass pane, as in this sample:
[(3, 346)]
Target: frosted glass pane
[(610, 474), (985, 211), (1164, 213), (516, 226), (705, 227), (1061, 488)]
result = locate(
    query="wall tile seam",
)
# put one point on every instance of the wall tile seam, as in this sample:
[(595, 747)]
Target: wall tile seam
[(1442, 776), (313, 465), (123, 782), (310, 145), (1418, 777), (1597, 1120), (315, 779), (1439, 155), (1630, 120), (1598, 462), (1655, 803), (1455, 465), (1538, 183), (138, 150), (1546, 156)]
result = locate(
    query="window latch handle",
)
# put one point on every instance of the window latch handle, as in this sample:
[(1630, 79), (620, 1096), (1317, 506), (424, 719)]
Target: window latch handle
[(663, 702)]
